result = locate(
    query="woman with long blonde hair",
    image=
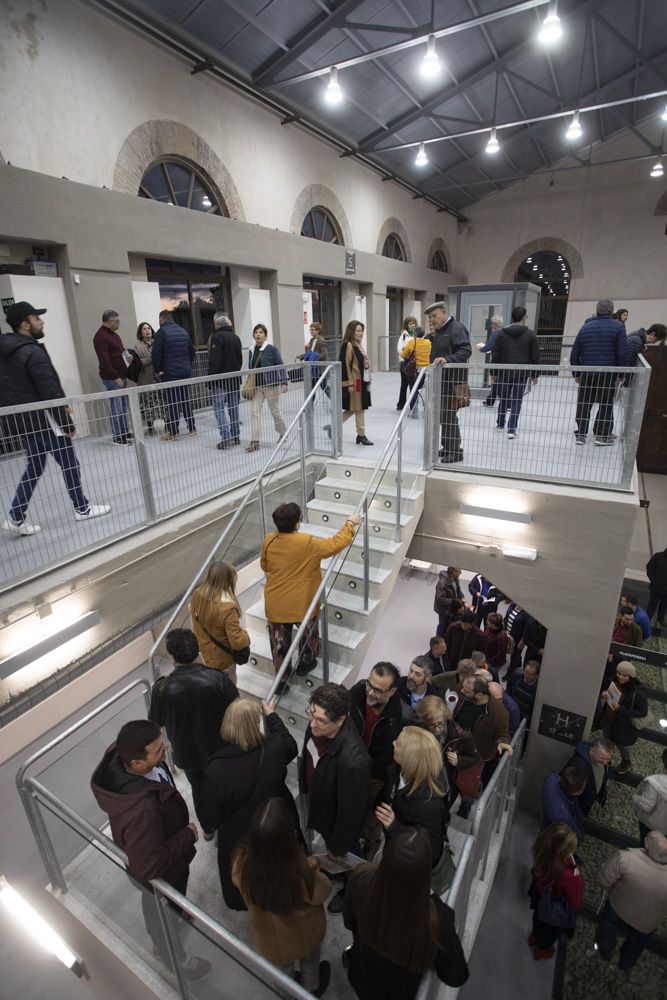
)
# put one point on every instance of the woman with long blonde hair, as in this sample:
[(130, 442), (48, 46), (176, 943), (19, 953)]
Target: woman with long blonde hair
[(415, 794), (216, 618)]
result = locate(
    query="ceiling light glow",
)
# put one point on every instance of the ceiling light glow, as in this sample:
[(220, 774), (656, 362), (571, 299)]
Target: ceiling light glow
[(493, 145), (333, 94), (421, 159), (431, 65), (664, 114), (551, 29), (574, 128), (657, 170)]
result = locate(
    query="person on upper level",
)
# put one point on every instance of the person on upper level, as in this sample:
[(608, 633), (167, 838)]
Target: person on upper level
[(600, 343)]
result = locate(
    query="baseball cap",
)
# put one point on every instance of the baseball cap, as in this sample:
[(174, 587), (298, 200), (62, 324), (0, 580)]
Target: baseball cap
[(19, 311)]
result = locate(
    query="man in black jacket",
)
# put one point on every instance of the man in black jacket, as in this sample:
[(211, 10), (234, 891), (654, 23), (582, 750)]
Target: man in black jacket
[(450, 345), (593, 760), (225, 354), (336, 773), (28, 376), (375, 711), (191, 703), (515, 345), (447, 589)]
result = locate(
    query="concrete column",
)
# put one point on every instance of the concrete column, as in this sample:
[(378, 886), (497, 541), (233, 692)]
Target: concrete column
[(376, 320), (286, 311)]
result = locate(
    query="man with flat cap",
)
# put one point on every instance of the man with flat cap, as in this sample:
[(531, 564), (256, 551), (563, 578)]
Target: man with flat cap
[(27, 375), (450, 345)]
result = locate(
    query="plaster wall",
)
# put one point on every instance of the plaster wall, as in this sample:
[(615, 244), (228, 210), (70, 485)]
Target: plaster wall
[(582, 538)]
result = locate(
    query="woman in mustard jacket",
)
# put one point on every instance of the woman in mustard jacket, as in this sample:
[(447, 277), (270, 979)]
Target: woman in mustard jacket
[(419, 346), (216, 614), (291, 560)]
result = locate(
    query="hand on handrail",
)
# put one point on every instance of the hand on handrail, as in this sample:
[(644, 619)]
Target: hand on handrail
[(269, 707), (355, 519)]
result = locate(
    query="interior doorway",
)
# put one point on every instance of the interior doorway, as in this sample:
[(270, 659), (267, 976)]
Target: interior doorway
[(326, 306)]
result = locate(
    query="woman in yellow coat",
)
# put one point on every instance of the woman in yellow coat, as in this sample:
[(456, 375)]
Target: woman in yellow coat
[(216, 614), (418, 346), (291, 561)]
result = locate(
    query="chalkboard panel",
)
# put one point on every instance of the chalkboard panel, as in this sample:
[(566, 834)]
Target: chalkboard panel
[(559, 724)]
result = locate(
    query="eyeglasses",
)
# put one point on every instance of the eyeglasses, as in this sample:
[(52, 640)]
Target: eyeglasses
[(437, 727), (377, 691)]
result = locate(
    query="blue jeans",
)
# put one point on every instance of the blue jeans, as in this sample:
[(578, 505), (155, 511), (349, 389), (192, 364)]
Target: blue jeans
[(118, 407), (222, 398), (610, 925), (179, 402), (510, 396), (38, 447)]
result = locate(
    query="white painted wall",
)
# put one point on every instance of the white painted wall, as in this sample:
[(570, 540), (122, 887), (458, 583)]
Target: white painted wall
[(252, 306), (146, 295)]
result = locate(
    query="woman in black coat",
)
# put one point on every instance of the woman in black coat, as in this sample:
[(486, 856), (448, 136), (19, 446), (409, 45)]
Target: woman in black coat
[(617, 717), (401, 930), (246, 772)]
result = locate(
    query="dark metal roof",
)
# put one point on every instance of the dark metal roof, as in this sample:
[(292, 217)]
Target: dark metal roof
[(610, 50)]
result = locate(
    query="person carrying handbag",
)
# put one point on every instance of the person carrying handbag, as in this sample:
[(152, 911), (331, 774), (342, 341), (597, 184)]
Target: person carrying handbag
[(216, 620), (556, 891), (264, 388)]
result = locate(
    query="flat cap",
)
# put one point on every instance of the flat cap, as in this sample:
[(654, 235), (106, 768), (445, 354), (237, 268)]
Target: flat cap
[(435, 305)]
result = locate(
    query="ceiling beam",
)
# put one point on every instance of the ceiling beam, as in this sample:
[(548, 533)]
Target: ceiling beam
[(645, 61)]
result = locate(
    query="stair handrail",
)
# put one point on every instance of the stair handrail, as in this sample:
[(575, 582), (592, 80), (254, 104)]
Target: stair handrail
[(256, 487), (394, 439)]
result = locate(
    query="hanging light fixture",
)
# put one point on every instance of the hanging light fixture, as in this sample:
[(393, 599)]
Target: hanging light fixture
[(431, 64), (493, 145), (664, 114), (551, 29), (657, 170), (574, 128), (206, 201), (333, 93), (421, 158)]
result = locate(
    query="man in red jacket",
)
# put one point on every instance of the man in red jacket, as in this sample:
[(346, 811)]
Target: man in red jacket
[(114, 361), (150, 822)]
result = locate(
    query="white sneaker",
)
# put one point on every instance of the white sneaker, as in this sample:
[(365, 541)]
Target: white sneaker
[(512, 435), (94, 511), (20, 529)]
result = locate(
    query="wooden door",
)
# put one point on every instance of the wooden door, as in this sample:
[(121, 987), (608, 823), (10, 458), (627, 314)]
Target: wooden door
[(652, 450)]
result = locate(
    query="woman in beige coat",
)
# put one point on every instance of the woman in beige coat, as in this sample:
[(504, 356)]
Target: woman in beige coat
[(147, 400), (216, 614), (355, 378), (284, 892)]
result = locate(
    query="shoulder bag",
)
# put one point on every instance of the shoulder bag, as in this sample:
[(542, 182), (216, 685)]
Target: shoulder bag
[(460, 394), (250, 384), (442, 875), (555, 910), (409, 364), (644, 721), (239, 656)]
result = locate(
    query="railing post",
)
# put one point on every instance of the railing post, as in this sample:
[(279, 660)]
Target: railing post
[(428, 421), (310, 412), (262, 508), (634, 406), (42, 838), (302, 462), (366, 557), (324, 628), (399, 471), (336, 410), (170, 936), (141, 455)]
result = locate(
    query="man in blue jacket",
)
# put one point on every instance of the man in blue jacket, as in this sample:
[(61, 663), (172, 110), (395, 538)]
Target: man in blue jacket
[(602, 343), (172, 354), (560, 794), (592, 760)]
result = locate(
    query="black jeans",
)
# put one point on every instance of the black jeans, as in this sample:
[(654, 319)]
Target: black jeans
[(610, 925), (179, 403), (450, 435), (657, 602), (594, 388)]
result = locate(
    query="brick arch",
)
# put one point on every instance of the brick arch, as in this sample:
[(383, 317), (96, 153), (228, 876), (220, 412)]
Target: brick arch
[(392, 225), (439, 244), (161, 138), (552, 243), (314, 195)]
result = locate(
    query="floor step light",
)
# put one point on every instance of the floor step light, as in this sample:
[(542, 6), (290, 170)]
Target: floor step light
[(37, 928), (518, 551)]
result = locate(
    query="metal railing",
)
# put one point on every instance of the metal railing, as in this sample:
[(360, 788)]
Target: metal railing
[(582, 432), (142, 482), (295, 445)]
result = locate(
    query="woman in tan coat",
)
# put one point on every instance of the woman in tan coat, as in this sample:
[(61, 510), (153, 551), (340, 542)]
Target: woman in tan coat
[(216, 614), (291, 561), (355, 378), (284, 892)]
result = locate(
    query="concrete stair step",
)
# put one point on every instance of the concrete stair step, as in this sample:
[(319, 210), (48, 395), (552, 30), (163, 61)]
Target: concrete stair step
[(340, 654), (255, 683), (381, 521), (350, 491), (360, 471), (382, 550)]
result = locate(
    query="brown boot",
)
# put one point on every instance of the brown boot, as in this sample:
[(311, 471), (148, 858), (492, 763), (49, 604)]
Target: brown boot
[(253, 446)]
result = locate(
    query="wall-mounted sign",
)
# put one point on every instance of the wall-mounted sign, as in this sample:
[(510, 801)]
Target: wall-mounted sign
[(5, 303), (561, 725), (350, 262), (638, 655)]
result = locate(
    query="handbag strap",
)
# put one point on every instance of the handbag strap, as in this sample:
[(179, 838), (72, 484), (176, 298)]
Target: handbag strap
[(208, 635)]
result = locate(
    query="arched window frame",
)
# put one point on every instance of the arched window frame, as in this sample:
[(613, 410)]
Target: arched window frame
[(323, 224), (216, 206), (393, 247), (438, 261)]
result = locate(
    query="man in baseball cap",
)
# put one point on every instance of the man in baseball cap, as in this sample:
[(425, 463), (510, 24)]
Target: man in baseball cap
[(27, 375)]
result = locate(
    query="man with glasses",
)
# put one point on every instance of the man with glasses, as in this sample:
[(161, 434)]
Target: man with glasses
[(336, 773), (378, 718)]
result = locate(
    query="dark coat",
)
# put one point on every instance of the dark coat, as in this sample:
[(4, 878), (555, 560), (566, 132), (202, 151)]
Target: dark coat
[(236, 783), (421, 808), (602, 342), (404, 693), (340, 796), (109, 350), (582, 761), (496, 647), (27, 375), (149, 821), (559, 807), (190, 703), (516, 345), (513, 713), (534, 637), (225, 354), (452, 342), (459, 740), (490, 728), (385, 731), (514, 621), (268, 358), (460, 643), (524, 694), (636, 346), (173, 352), (656, 571), (446, 590), (617, 726), (374, 977)]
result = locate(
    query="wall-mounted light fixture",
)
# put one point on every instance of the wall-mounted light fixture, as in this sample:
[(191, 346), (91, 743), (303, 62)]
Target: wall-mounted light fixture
[(498, 515), (518, 551), (27, 917), (49, 644)]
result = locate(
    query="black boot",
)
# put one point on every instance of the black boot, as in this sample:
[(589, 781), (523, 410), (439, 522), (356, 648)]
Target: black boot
[(362, 439)]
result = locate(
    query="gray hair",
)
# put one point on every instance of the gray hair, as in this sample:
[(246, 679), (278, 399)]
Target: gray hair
[(655, 846), (465, 668), (477, 657), (605, 307), (109, 314), (497, 319), (424, 663), (221, 319)]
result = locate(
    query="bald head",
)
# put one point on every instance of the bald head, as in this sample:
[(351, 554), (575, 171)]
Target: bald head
[(655, 846), (495, 690)]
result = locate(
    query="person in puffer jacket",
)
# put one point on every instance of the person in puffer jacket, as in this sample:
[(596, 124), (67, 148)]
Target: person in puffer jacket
[(602, 343), (515, 344)]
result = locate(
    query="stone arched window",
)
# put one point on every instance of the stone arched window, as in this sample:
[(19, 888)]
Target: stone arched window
[(544, 243), (393, 247), (438, 261), (319, 224), (177, 182)]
